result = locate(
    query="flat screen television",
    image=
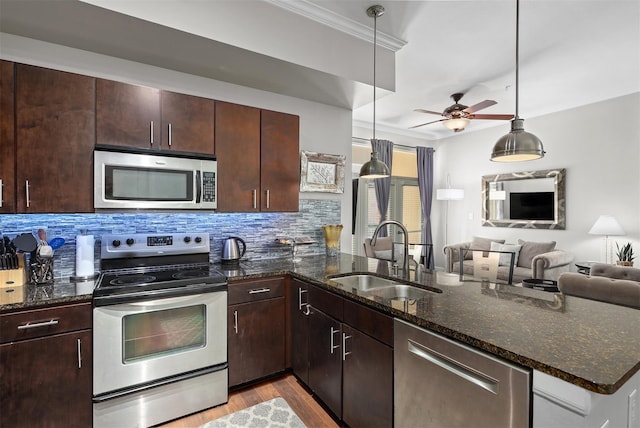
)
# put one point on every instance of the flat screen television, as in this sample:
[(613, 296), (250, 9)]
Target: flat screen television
[(531, 206)]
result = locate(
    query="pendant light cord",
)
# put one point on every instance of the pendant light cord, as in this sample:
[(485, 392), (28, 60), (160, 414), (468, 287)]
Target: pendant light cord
[(375, 44), (517, 52)]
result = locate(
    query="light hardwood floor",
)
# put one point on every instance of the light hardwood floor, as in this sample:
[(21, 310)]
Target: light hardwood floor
[(287, 387)]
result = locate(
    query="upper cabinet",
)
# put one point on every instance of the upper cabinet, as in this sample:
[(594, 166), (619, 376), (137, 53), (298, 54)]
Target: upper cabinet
[(55, 133), (280, 172), (258, 165), (7, 142), (138, 116)]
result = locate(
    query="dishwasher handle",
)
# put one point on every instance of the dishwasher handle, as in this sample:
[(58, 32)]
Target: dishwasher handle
[(452, 366)]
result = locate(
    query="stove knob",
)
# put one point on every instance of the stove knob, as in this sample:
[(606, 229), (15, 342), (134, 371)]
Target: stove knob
[(116, 243), (187, 239), (130, 241), (198, 239)]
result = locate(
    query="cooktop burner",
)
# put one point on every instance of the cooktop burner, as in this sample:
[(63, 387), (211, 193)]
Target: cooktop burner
[(144, 267)]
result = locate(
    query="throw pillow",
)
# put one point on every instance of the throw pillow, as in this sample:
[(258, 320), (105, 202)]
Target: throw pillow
[(505, 259), (531, 249), (386, 254), (479, 243)]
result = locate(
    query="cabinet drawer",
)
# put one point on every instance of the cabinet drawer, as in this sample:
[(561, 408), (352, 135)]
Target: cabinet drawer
[(44, 322), (369, 321), (251, 291), (327, 302)]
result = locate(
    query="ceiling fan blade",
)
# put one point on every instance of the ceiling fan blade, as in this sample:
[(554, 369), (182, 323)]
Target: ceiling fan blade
[(420, 110), (480, 106), (428, 123), (492, 116)]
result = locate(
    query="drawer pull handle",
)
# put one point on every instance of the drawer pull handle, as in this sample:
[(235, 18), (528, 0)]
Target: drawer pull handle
[(344, 346), (260, 290), (37, 324)]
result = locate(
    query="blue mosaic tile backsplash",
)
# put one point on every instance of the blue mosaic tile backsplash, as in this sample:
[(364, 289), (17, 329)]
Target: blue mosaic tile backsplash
[(258, 230)]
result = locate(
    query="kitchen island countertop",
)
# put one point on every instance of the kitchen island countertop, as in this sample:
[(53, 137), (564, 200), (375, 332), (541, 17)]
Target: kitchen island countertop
[(590, 344)]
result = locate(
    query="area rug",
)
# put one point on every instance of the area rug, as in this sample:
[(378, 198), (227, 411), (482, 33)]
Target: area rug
[(272, 413)]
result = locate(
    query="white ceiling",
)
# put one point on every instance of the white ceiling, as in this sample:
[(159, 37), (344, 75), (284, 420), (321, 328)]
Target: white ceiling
[(572, 52)]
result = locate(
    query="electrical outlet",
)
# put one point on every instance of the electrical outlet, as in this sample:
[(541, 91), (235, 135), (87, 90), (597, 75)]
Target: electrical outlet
[(632, 419)]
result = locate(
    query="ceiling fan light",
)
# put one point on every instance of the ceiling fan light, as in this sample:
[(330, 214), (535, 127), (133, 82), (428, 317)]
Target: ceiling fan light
[(374, 168), (457, 124), (518, 145)]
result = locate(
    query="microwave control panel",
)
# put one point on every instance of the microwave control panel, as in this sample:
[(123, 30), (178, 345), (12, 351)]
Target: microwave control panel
[(208, 186)]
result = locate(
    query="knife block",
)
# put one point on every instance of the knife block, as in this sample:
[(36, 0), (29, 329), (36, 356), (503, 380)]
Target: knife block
[(12, 283)]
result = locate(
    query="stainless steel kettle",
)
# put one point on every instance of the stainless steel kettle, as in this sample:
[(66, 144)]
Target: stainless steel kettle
[(231, 249)]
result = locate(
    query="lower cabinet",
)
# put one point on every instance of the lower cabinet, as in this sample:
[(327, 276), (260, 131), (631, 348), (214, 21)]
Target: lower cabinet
[(343, 352), (46, 368), (256, 329)]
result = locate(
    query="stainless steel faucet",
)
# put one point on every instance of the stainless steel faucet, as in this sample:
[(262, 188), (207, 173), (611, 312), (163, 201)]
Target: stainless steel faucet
[(405, 255)]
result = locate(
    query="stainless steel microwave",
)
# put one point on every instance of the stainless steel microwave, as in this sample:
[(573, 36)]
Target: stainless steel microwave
[(137, 179)]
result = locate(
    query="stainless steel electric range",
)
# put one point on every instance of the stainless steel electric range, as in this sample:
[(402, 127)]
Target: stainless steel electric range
[(159, 330)]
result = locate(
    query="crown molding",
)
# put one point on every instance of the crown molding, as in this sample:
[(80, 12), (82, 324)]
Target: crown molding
[(331, 19)]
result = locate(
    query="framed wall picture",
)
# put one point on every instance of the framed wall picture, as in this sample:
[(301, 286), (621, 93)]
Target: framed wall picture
[(320, 172)]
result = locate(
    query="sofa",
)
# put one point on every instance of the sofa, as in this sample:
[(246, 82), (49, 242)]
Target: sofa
[(539, 260), (606, 283)]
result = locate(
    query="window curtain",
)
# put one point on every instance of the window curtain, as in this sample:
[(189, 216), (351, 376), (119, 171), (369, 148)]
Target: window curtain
[(425, 184), (384, 148)]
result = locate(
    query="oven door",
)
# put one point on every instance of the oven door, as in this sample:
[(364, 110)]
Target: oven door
[(136, 344)]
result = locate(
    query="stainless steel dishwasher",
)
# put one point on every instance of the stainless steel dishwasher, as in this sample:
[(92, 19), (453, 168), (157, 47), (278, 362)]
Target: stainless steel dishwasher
[(442, 383)]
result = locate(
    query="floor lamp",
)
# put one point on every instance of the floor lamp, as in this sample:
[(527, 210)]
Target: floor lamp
[(608, 226), (447, 195)]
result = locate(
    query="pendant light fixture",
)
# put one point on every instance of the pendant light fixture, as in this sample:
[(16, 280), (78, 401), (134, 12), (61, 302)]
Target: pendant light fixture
[(518, 145), (374, 168)]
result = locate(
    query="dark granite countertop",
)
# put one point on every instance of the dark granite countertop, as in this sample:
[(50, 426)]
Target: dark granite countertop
[(587, 343)]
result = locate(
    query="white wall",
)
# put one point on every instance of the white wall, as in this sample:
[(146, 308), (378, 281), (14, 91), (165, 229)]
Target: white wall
[(323, 128)]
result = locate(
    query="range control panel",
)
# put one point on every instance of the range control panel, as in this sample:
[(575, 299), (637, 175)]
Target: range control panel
[(153, 244)]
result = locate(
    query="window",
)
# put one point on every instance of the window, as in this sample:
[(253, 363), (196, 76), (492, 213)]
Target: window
[(404, 207)]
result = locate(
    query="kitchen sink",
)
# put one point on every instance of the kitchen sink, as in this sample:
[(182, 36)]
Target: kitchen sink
[(363, 282), (401, 292)]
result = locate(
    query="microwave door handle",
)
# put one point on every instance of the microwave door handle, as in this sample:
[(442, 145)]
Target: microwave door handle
[(198, 187)]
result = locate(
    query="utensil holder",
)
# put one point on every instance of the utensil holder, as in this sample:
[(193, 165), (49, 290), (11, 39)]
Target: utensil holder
[(332, 239), (41, 270)]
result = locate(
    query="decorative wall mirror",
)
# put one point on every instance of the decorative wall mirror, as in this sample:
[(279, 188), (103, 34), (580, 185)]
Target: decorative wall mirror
[(530, 199)]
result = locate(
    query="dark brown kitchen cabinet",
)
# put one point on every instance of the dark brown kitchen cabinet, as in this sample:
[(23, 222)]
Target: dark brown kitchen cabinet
[(55, 135), (279, 160), (7, 141), (256, 330), (342, 351), (148, 118), (257, 152), (46, 367)]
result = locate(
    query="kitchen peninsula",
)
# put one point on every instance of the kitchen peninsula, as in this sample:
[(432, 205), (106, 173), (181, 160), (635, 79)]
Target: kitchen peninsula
[(591, 346)]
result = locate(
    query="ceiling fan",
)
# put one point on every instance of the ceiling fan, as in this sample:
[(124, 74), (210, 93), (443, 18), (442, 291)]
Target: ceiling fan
[(457, 116)]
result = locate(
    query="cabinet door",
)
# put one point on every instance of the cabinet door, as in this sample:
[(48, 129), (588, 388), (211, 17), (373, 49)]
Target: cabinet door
[(7, 141), (187, 123), (298, 311), (127, 115), (367, 372), (47, 381), (55, 131), (280, 172), (325, 360), (256, 340), (237, 136)]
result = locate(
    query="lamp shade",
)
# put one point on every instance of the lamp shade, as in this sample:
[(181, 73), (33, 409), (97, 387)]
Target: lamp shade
[(449, 194), (518, 145), (606, 225), (374, 168)]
